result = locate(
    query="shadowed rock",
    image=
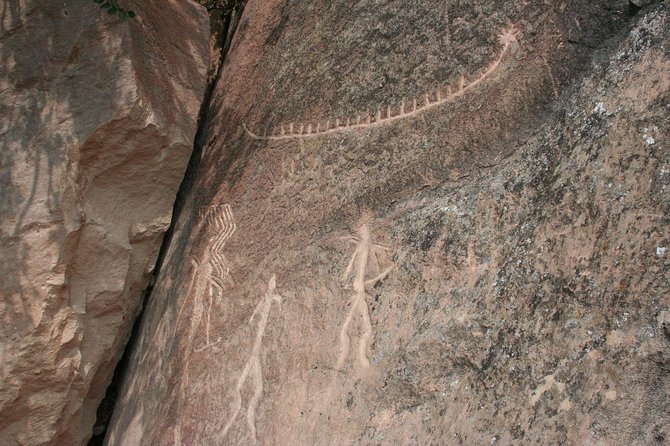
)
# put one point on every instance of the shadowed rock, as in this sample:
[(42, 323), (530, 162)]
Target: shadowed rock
[(97, 120)]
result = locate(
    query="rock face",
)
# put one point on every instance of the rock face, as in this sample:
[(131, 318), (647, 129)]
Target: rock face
[(97, 120), (414, 223)]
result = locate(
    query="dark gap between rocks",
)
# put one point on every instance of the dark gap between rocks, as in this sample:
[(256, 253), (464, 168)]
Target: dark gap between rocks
[(223, 29), (633, 9)]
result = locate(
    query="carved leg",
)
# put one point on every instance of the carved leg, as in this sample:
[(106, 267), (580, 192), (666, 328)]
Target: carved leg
[(366, 334), (257, 375), (345, 339), (194, 277)]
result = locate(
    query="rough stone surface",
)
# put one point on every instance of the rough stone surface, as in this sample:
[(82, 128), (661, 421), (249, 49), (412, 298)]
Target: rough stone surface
[(97, 120), (491, 267)]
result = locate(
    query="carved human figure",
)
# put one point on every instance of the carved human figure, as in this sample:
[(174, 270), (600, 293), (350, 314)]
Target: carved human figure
[(253, 367), (212, 271), (208, 279), (364, 259)]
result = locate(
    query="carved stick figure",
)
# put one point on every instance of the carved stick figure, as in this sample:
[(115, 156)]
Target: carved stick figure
[(366, 253), (253, 365)]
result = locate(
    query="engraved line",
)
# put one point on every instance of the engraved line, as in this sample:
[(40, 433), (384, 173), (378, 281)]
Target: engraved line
[(210, 274), (253, 365), (365, 252), (507, 38), (194, 277), (220, 218)]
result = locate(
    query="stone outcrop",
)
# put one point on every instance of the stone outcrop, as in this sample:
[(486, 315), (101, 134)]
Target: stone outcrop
[(97, 120), (414, 223)]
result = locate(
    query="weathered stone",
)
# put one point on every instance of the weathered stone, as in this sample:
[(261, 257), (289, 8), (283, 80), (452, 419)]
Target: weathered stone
[(641, 3), (485, 264), (97, 120)]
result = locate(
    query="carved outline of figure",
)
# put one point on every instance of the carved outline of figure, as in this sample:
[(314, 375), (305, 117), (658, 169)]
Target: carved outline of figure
[(507, 38), (210, 274), (253, 365), (365, 253)]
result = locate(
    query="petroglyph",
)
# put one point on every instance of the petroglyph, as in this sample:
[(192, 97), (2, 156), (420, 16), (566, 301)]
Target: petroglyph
[(208, 279), (365, 258), (253, 365), (431, 99), (213, 271)]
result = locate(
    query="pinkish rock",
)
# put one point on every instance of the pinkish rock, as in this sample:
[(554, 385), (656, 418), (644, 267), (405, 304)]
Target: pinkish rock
[(479, 260), (97, 120)]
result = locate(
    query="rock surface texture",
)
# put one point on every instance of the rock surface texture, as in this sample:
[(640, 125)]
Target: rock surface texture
[(420, 223), (97, 120)]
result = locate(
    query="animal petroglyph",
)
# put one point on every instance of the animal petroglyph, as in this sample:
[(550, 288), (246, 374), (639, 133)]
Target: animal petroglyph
[(253, 365), (366, 257), (211, 273), (449, 92)]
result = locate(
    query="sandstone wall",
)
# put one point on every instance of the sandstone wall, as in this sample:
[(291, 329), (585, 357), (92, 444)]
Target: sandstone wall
[(421, 223), (97, 120)]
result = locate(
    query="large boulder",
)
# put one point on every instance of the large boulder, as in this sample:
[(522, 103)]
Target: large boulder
[(97, 120), (414, 223)]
